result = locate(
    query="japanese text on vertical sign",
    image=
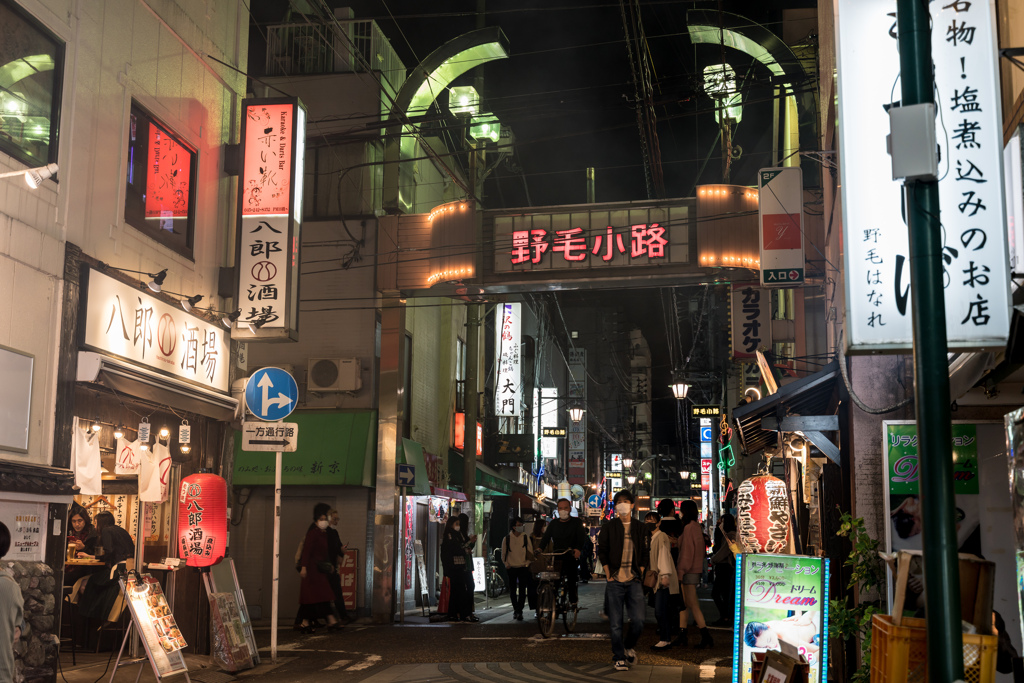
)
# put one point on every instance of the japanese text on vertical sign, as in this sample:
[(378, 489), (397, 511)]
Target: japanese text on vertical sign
[(267, 172), (167, 177)]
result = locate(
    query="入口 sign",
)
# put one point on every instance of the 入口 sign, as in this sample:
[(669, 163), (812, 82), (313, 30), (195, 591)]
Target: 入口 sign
[(130, 323), (969, 133), (508, 388), (781, 214), (270, 210)]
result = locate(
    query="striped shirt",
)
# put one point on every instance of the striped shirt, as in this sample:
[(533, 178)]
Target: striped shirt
[(625, 573)]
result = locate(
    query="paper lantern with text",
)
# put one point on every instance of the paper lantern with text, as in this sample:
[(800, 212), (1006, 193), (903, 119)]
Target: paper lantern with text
[(202, 519), (762, 521)]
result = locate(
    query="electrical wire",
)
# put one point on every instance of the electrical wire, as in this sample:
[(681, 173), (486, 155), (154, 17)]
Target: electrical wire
[(853, 395)]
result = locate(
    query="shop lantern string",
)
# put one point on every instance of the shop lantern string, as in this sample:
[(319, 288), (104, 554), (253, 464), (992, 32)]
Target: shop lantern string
[(202, 519)]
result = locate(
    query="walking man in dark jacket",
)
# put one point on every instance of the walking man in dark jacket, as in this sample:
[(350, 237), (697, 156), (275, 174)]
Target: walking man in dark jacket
[(623, 552), (567, 533)]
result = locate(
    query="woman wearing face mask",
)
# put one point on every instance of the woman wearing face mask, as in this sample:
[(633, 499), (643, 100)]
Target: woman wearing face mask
[(516, 553), (468, 542), (453, 561), (692, 553), (667, 590), (315, 594), (335, 553)]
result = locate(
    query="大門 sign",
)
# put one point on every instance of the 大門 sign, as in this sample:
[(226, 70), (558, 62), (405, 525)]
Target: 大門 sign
[(969, 134)]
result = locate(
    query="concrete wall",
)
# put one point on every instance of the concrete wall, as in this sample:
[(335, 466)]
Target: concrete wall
[(103, 71)]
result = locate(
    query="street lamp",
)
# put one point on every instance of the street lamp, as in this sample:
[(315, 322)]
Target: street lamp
[(680, 389), (627, 462), (575, 413), (631, 478)]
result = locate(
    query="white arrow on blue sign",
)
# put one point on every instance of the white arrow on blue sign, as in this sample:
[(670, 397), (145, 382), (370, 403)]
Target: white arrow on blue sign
[(705, 433), (594, 501), (406, 475), (271, 394)]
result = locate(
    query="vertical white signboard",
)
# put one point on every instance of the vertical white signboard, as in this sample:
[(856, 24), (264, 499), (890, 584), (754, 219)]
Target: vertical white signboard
[(969, 134), (780, 205), (507, 388), (549, 418)]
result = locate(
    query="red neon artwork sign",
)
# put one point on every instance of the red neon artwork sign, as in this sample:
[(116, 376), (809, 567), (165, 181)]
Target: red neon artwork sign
[(645, 241), (267, 172), (167, 176)]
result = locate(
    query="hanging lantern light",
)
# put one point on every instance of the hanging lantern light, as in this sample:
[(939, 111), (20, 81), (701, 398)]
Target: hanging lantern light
[(575, 413), (185, 437), (762, 520), (202, 519)]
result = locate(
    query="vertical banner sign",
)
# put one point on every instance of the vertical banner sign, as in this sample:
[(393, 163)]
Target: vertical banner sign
[(549, 418), (781, 220), (781, 599), (751, 320), (1013, 183), (270, 216), (508, 387), (167, 178), (969, 134), (576, 443), (903, 506), (707, 431)]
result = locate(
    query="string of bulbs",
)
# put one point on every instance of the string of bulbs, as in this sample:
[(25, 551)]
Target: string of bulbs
[(142, 433)]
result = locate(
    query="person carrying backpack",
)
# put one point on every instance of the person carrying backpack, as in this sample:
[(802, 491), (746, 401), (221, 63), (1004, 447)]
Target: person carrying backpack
[(517, 553)]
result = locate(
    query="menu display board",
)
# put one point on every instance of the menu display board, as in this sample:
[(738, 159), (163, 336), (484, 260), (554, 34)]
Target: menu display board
[(781, 599), (155, 623)]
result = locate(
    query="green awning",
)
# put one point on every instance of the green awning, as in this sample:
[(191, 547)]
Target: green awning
[(486, 477), (334, 449), (411, 453)]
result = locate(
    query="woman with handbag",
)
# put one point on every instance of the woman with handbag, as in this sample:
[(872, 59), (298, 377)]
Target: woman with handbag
[(665, 579), (453, 562), (316, 597), (692, 555)]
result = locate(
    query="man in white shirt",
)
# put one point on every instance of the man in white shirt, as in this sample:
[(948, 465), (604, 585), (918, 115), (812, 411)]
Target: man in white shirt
[(516, 553)]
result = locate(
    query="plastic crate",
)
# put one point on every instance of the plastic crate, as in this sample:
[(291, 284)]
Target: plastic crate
[(899, 654)]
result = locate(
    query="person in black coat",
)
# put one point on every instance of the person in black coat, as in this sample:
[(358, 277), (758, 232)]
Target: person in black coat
[(622, 549), (335, 553), (114, 546), (468, 541), (453, 562)]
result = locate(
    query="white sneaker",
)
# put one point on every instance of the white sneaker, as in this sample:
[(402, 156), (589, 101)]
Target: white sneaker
[(620, 665), (631, 656)]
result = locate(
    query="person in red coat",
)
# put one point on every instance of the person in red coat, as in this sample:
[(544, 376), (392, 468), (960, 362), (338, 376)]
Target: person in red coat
[(315, 593)]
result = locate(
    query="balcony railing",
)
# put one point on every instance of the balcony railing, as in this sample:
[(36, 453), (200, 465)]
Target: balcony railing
[(348, 46)]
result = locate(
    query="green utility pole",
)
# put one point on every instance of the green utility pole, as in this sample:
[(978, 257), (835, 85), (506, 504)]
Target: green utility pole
[(931, 370)]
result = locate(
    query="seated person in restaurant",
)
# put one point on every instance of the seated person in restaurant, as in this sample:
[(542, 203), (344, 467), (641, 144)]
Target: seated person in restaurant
[(82, 535), (114, 545)]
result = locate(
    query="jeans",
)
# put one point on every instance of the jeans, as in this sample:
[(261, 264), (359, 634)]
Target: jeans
[(665, 612), (631, 597), (521, 588)]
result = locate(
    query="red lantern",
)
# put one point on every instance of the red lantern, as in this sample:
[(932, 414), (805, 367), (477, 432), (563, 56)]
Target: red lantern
[(762, 523), (202, 519)]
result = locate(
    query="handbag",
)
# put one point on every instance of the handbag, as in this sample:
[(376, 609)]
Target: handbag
[(446, 591), (325, 567), (651, 579)]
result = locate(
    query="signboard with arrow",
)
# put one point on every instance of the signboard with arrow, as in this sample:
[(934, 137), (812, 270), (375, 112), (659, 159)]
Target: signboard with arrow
[(260, 436)]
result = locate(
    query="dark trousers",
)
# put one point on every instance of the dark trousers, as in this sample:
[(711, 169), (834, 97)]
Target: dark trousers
[(458, 606), (571, 574), (521, 588), (470, 592), (339, 600), (665, 612), (625, 600), (723, 591)]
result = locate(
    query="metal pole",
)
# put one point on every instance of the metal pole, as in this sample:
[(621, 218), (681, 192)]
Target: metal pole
[(472, 411), (591, 189), (931, 371), (276, 585), (401, 572)]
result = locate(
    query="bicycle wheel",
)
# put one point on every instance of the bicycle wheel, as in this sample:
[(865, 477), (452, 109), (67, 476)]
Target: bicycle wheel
[(496, 587), (570, 614), (546, 609)]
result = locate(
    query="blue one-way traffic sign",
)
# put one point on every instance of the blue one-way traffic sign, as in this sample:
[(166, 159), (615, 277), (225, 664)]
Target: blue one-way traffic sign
[(406, 475), (271, 394)]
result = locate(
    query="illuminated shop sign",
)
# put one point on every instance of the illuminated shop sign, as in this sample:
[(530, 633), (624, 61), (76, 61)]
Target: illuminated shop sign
[(167, 176)]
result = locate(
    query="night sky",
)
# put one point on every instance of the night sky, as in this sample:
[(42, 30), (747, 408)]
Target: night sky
[(567, 93)]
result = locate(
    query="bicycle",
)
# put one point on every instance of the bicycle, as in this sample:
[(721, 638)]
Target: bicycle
[(495, 584), (553, 599)]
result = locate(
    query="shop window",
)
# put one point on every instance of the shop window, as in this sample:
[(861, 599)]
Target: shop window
[(160, 198), (31, 75)]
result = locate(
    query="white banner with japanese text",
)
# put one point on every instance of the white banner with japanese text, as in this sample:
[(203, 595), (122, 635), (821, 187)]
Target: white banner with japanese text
[(969, 133), (508, 387), (130, 323)]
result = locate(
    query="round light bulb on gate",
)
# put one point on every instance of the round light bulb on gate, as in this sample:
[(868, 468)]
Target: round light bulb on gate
[(96, 426), (164, 432), (185, 448), (119, 432)]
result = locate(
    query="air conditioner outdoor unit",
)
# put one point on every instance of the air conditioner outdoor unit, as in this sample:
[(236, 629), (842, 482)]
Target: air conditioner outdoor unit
[(335, 374)]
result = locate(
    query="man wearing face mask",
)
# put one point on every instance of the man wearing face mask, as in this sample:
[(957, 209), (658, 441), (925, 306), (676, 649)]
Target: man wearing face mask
[(567, 533), (516, 553), (622, 549)]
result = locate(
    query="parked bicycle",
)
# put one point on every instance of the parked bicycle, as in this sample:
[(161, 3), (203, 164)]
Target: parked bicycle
[(553, 597), (495, 584)]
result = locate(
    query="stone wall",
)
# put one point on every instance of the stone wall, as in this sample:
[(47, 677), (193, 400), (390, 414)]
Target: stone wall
[(36, 653)]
